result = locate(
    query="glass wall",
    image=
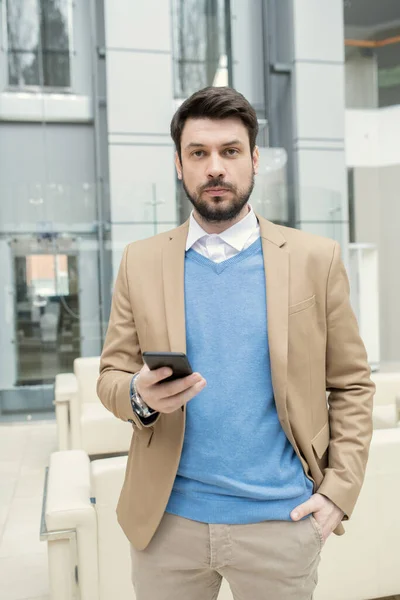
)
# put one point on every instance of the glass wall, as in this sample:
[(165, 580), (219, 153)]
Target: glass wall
[(372, 50), (201, 45), (47, 311), (201, 56), (53, 209), (388, 58)]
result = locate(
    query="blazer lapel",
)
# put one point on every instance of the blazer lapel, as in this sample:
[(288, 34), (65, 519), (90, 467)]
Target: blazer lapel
[(173, 279), (276, 262)]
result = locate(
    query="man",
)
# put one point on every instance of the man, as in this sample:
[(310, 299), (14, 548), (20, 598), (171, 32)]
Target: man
[(243, 469)]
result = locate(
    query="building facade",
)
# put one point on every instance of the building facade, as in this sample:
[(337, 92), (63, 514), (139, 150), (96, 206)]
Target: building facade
[(87, 92)]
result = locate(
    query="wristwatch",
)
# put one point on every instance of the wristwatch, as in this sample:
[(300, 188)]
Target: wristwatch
[(138, 404)]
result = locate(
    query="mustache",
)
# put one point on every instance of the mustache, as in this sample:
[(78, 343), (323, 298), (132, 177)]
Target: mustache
[(217, 182)]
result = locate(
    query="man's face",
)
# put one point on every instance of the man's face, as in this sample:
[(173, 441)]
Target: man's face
[(217, 168)]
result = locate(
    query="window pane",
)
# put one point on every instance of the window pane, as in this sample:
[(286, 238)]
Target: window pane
[(55, 43), (56, 69), (38, 41), (55, 24), (389, 71), (200, 53), (23, 42), (23, 68), (23, 25), (372, 51)]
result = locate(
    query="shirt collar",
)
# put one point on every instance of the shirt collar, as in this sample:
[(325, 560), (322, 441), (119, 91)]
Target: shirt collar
[(236, 236)]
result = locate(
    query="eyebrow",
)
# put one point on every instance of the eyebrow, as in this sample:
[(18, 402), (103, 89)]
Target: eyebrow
[(199, 145)]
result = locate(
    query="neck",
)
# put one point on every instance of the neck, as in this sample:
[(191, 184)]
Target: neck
[(220, 226)]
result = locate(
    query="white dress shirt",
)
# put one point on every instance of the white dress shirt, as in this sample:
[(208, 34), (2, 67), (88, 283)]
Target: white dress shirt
[(221, 246)]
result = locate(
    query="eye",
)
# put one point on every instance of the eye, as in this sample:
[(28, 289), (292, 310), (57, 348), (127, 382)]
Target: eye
[(198, 153), (231, 151)]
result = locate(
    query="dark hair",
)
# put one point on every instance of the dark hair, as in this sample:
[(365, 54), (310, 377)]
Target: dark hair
[(215, 103)]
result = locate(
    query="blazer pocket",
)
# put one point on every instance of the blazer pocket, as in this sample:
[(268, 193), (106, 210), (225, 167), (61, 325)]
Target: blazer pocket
[(295, 308), (320, 442)]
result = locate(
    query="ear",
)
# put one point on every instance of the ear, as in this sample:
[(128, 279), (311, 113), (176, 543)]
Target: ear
[(256, 159), (178, 166)]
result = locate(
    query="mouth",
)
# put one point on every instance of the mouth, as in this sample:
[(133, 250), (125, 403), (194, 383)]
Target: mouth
[(216, 191)]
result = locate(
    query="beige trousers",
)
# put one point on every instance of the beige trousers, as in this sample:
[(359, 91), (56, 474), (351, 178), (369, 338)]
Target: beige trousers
[(186, 560)]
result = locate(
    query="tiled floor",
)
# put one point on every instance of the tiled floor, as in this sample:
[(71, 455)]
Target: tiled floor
[(24, 454)]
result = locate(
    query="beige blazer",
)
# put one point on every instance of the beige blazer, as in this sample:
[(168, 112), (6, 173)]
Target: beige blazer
[(315, 347)]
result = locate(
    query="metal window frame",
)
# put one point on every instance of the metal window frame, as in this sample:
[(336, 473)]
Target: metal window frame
[(5, 47), (228, 40), (279, 119)]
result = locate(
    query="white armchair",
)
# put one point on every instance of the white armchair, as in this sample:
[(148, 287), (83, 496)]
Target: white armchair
[(88, 553), (81, 530), (386, 399), (82, 421), (364, 564)]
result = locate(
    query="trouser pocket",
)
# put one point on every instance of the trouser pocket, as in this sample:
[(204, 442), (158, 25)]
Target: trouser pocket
[(318, 531)]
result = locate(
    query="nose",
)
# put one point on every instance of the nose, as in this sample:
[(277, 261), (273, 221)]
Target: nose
[(215, 167)]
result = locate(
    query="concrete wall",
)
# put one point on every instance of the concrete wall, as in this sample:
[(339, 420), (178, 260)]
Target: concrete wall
[(373, 151), (139, 109), (372, 137), (319, 116), (377, 218)]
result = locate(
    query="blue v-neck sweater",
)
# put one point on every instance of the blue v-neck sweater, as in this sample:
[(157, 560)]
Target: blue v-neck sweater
[(237, 465)]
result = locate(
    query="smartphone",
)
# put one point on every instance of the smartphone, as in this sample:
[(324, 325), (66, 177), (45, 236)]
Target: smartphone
[(177, 361)]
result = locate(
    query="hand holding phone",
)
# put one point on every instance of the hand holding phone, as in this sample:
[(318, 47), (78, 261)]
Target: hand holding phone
[(166, 381)]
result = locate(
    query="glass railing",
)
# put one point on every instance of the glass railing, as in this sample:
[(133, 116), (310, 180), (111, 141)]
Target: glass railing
[(60, 255), (55, 207)]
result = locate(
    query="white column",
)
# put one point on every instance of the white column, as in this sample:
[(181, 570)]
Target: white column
[(319, 117), (139, 110)]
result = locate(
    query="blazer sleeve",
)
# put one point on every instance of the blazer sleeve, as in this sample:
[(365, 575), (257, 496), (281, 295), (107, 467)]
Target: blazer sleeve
[(351, 394), (121, 357)]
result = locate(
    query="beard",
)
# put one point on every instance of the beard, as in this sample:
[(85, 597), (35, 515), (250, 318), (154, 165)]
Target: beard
[(216, 209)]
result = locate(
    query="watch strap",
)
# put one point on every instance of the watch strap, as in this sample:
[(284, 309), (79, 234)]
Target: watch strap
[(138, 404)]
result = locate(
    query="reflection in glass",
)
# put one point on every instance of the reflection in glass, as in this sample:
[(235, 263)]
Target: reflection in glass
[(201, 44), (47, 316), (389, 71), (38, 43), (270, 195)]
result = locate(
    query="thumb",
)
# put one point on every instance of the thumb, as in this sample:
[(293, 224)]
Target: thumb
[(302, 510)]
